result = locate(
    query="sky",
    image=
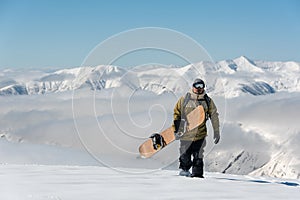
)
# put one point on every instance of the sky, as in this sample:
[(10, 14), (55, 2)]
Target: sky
[(61, 33)]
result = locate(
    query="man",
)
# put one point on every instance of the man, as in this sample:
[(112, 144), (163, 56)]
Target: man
[(193, 142)]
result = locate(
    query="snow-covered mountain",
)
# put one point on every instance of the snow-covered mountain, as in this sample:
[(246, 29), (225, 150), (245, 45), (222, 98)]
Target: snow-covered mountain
[(236, 77), (116, 109)]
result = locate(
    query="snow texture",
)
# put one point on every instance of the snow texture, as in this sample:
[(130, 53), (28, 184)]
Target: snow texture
[(74, 182), (80, 129)]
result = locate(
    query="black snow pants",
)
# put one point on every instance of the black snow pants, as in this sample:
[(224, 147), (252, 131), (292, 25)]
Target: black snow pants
[(189, 149)]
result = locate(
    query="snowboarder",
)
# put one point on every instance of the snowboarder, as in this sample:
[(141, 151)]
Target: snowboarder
[(193, 142)]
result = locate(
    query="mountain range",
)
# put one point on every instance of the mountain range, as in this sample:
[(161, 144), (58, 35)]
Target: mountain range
[(258, 103), (237, 77)]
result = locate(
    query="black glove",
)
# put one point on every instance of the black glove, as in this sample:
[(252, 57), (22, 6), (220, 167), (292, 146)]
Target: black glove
[(216, 137), (179, 126)]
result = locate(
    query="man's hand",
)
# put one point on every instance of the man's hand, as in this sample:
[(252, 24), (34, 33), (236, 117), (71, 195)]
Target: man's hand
[(178, 135), (216, 137)]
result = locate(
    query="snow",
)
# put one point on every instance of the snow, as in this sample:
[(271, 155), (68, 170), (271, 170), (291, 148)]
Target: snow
[(245, 64), (40, 130), (74, 133), (78, 182), (238, 77)]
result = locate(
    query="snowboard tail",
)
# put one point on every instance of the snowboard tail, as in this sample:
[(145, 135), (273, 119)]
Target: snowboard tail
[(147, 149)]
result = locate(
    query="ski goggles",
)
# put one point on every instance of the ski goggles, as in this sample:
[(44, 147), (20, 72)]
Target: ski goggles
[(198, 85)]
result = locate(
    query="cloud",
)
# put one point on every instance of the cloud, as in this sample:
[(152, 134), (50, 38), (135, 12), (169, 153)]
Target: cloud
[(111, 126)]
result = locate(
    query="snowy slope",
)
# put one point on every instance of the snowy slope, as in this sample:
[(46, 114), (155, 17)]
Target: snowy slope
[(76, 183)]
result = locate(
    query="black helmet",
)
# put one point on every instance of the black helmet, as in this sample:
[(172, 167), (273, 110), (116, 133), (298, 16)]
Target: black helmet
[(198, 83)]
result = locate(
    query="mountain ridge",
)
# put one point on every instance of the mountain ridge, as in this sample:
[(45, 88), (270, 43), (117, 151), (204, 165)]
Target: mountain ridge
[(237, 77)]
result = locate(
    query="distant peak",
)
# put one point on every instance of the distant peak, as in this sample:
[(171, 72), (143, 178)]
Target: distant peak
[(244, 58)]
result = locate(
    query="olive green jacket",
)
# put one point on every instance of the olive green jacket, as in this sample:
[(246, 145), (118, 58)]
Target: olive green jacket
[(211, 111)]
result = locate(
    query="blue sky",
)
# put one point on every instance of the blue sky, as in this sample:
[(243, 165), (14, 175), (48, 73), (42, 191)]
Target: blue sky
[(60, 33)]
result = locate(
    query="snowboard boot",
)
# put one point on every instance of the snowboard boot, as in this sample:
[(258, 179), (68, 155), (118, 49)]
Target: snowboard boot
[(185, 173), (197, 170), (197, 176)]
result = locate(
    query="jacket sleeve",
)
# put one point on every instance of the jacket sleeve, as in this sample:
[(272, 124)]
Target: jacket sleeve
[(177, 111), (214, 117)]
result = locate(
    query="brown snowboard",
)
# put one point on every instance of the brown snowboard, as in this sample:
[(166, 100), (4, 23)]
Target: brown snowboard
[(194, 119)]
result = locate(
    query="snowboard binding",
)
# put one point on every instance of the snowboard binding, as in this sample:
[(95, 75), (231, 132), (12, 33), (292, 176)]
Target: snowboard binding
[(158, 141)]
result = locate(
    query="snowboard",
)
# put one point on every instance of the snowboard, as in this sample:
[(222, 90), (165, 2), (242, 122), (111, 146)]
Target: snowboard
[(158, 141)]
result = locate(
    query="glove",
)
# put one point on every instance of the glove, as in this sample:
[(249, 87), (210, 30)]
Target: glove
[(178, 135), (216, 137)]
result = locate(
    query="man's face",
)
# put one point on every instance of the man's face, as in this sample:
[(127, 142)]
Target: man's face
[(198, 88), (198, 91)]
